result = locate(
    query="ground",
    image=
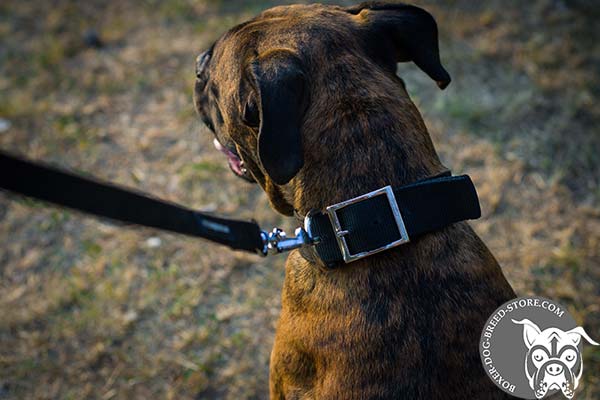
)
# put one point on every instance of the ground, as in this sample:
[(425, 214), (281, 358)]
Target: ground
[(91, 309)]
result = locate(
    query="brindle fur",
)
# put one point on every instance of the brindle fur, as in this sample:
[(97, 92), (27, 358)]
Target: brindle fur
[(403, 324)]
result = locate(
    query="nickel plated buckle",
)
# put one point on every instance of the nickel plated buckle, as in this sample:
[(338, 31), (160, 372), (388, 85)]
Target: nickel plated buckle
[(340, 232)]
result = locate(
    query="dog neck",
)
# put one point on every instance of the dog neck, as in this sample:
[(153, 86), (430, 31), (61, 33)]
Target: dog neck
[(382, 142)]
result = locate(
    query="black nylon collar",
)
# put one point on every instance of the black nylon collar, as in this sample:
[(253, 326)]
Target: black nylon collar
[(425, 206)]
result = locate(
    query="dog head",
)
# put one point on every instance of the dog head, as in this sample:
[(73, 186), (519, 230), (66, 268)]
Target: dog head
[(258, 83), (553, 360)]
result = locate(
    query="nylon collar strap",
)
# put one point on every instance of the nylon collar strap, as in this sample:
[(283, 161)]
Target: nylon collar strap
[(368, 224)]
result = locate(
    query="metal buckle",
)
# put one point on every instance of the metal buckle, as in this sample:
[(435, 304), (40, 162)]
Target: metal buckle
[(340, 232)]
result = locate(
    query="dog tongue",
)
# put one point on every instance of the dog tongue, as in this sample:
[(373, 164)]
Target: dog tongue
[(234, 161)]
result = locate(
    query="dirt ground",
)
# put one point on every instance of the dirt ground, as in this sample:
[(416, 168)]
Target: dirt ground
[(90, 309)]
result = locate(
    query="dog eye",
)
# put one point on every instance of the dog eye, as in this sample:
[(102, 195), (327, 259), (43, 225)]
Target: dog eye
[(538, 355), (569, 355)]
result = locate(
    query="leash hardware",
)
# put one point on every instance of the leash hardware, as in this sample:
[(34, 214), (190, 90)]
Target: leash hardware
[(340, 232), (276, 241)]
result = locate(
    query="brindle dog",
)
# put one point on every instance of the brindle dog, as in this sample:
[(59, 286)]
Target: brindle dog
[(305, 101)]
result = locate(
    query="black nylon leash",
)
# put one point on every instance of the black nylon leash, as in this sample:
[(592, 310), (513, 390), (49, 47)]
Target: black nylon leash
[(346, 231), (102, 199)]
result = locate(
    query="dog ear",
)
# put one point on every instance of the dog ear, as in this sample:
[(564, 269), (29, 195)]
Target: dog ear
[(530, 331), (577, 333), (400, 33), (281, 101)]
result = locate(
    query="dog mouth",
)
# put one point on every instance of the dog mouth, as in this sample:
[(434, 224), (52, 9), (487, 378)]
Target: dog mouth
[(236, 164)]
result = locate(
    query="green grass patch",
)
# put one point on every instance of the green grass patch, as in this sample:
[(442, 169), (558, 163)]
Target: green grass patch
[(92, 248), (207, 166)]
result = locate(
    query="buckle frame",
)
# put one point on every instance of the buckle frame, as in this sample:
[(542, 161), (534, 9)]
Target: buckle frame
[(340, 232)]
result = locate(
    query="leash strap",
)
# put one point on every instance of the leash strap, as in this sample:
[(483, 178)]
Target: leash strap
[(368, 224), (106, 200), (346, 232)]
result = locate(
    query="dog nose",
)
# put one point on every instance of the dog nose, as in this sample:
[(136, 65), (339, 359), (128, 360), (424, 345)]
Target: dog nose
[(202, 62), (554, 369)]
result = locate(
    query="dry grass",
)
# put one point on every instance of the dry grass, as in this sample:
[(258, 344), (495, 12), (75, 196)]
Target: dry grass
[(94, 310)]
